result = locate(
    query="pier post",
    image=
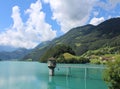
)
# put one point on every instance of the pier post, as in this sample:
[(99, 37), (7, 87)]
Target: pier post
[(85, 77), (68, 71), (85, 73), (51, 71)]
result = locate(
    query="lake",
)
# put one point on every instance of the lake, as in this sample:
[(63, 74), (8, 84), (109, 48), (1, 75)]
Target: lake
[(34, 75)]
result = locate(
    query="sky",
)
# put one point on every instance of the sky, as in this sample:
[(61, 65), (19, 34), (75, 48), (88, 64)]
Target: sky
[(26, 23)]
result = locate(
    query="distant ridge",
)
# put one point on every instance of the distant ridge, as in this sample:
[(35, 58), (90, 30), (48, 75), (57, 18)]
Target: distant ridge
[(82, 39), (16, 55)]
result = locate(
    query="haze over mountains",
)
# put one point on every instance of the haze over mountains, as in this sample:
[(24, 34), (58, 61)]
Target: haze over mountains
[(80, 39), (17, 54), (7, 48)]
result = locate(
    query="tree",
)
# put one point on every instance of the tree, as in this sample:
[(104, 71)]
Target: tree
[(56, 51), (112, 74)]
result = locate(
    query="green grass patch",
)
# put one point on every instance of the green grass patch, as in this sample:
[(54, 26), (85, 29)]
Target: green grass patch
[(68, 56), (78, 44)]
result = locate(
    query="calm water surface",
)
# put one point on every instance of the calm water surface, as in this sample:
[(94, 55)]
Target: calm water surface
[(34, 75)]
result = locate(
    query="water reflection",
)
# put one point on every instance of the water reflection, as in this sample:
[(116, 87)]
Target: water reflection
[(51, 83), (16, 82), (20, 75)]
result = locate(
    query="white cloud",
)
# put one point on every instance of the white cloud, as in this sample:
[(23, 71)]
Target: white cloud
[(46, 1), (67, 13), (109, 5), (96, 13), (30, 33), (96, 21), (71, 13), (18, 24), (37, 25), (114, 2)]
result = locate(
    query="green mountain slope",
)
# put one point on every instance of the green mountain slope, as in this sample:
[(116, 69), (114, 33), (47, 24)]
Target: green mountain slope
[(85, 38), (37, 52), (14, 55)]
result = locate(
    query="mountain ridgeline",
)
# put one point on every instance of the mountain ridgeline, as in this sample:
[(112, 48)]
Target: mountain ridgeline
[(79, 43), (81, 40), (15, 55)]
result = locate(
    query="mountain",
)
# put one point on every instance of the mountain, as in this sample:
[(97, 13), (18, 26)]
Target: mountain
[(38, 51), (14, 55), (7, 48), (84, 38)]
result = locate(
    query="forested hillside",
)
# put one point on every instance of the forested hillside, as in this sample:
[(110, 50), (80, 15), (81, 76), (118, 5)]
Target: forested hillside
[(85, 40)]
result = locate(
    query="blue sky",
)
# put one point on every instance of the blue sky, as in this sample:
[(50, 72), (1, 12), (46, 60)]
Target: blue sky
[(26, 23)]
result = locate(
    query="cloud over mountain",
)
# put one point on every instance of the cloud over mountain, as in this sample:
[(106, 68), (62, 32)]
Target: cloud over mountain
[(34, 27), (71, 13), (109, 4), (96, 21), (28, 34)]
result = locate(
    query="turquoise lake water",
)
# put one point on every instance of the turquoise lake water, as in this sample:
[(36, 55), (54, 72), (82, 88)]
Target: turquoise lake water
[(34, 75)]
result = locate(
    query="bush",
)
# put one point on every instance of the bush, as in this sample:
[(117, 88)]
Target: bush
[(83, 60), (61, 59), (112, 74), (95, 61), (29, 59), (56, 51)]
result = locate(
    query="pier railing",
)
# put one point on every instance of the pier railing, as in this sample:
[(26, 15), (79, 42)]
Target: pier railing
[(86, 70), (81, 72)]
